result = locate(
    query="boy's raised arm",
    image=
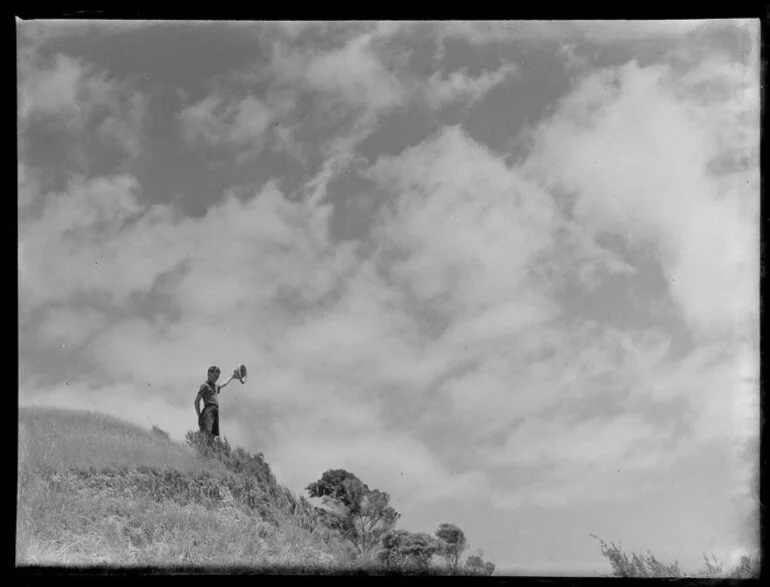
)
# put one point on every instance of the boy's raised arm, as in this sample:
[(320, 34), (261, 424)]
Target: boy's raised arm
[(227, 382)]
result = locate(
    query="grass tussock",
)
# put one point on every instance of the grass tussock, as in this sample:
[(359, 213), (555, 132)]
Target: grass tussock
[(646, 565), (96, 491)]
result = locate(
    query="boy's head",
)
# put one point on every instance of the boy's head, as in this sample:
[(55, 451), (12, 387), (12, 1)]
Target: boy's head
[(213, 373)]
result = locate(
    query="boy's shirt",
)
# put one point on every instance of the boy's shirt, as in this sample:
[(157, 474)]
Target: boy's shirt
[(209, 392)]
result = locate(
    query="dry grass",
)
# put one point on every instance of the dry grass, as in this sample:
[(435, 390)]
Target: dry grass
[(85, 528), (57, 440), (634, 564), (96, 491)]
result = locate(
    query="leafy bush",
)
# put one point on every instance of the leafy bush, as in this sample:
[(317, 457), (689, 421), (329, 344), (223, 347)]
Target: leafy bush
[(364, 515), (476, 565), (452, 543), (407, 552)]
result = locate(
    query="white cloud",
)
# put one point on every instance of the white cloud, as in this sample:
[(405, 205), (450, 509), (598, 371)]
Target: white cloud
[(55, 90), (352, 74), (228, 121), (354, 88), (356, 75), (92, 238), (29, 185), (397, 464), (123, 126), (458, 85), (73, 94), (605, 398), (570, 486), (614, 31), (544, 369), (634, 145), (718, 381), (600, 31), (286, 140), (480, 270), (550, 441), (468, 226), (70, 328), (576, 459)]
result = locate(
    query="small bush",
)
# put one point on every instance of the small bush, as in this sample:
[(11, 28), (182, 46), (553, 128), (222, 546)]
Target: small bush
[(636, 565), (748, 567), (646, 565), (160, 433)]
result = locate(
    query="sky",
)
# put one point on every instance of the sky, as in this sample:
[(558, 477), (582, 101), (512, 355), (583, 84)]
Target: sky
[(507, 272)]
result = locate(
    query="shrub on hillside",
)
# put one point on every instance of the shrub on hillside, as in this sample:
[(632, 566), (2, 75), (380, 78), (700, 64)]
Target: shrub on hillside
[(476, 565), (254, 467), (646, 565), (160, 433), (748, 567), (452, 542), (365, 514), (407, 552), (238, 461)]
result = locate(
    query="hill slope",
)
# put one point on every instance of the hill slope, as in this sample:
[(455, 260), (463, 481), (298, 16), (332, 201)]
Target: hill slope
[(93, 490)]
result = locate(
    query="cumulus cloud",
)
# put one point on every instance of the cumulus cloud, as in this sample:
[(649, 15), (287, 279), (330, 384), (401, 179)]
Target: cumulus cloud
[(55, 90), (634, 150), (73, 94), (352, 74), (459, 253), (85, 240), (664, 156), (470, 235), (355, 75)]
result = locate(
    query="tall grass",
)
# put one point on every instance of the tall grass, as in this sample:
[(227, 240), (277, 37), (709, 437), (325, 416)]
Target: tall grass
[(97, 491), (56, 440), (635, 564)]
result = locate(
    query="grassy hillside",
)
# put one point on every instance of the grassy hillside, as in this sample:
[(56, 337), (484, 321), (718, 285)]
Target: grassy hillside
[(97, 491), (93, 490)]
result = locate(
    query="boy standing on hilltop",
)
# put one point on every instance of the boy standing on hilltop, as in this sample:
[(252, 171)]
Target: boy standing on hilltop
[(208, 420)]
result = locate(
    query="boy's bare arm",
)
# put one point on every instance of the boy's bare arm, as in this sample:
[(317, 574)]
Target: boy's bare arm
[(227, 382), (198, 399)]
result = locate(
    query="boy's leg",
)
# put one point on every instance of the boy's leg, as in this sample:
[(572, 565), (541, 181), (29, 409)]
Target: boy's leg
[(215, 422), (206, 421)]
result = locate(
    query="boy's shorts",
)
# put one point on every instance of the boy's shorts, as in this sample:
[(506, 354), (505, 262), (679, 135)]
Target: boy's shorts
[(209, 420)]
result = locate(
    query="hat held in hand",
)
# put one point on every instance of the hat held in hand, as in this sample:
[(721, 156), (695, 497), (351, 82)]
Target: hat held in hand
[(240, 373)]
